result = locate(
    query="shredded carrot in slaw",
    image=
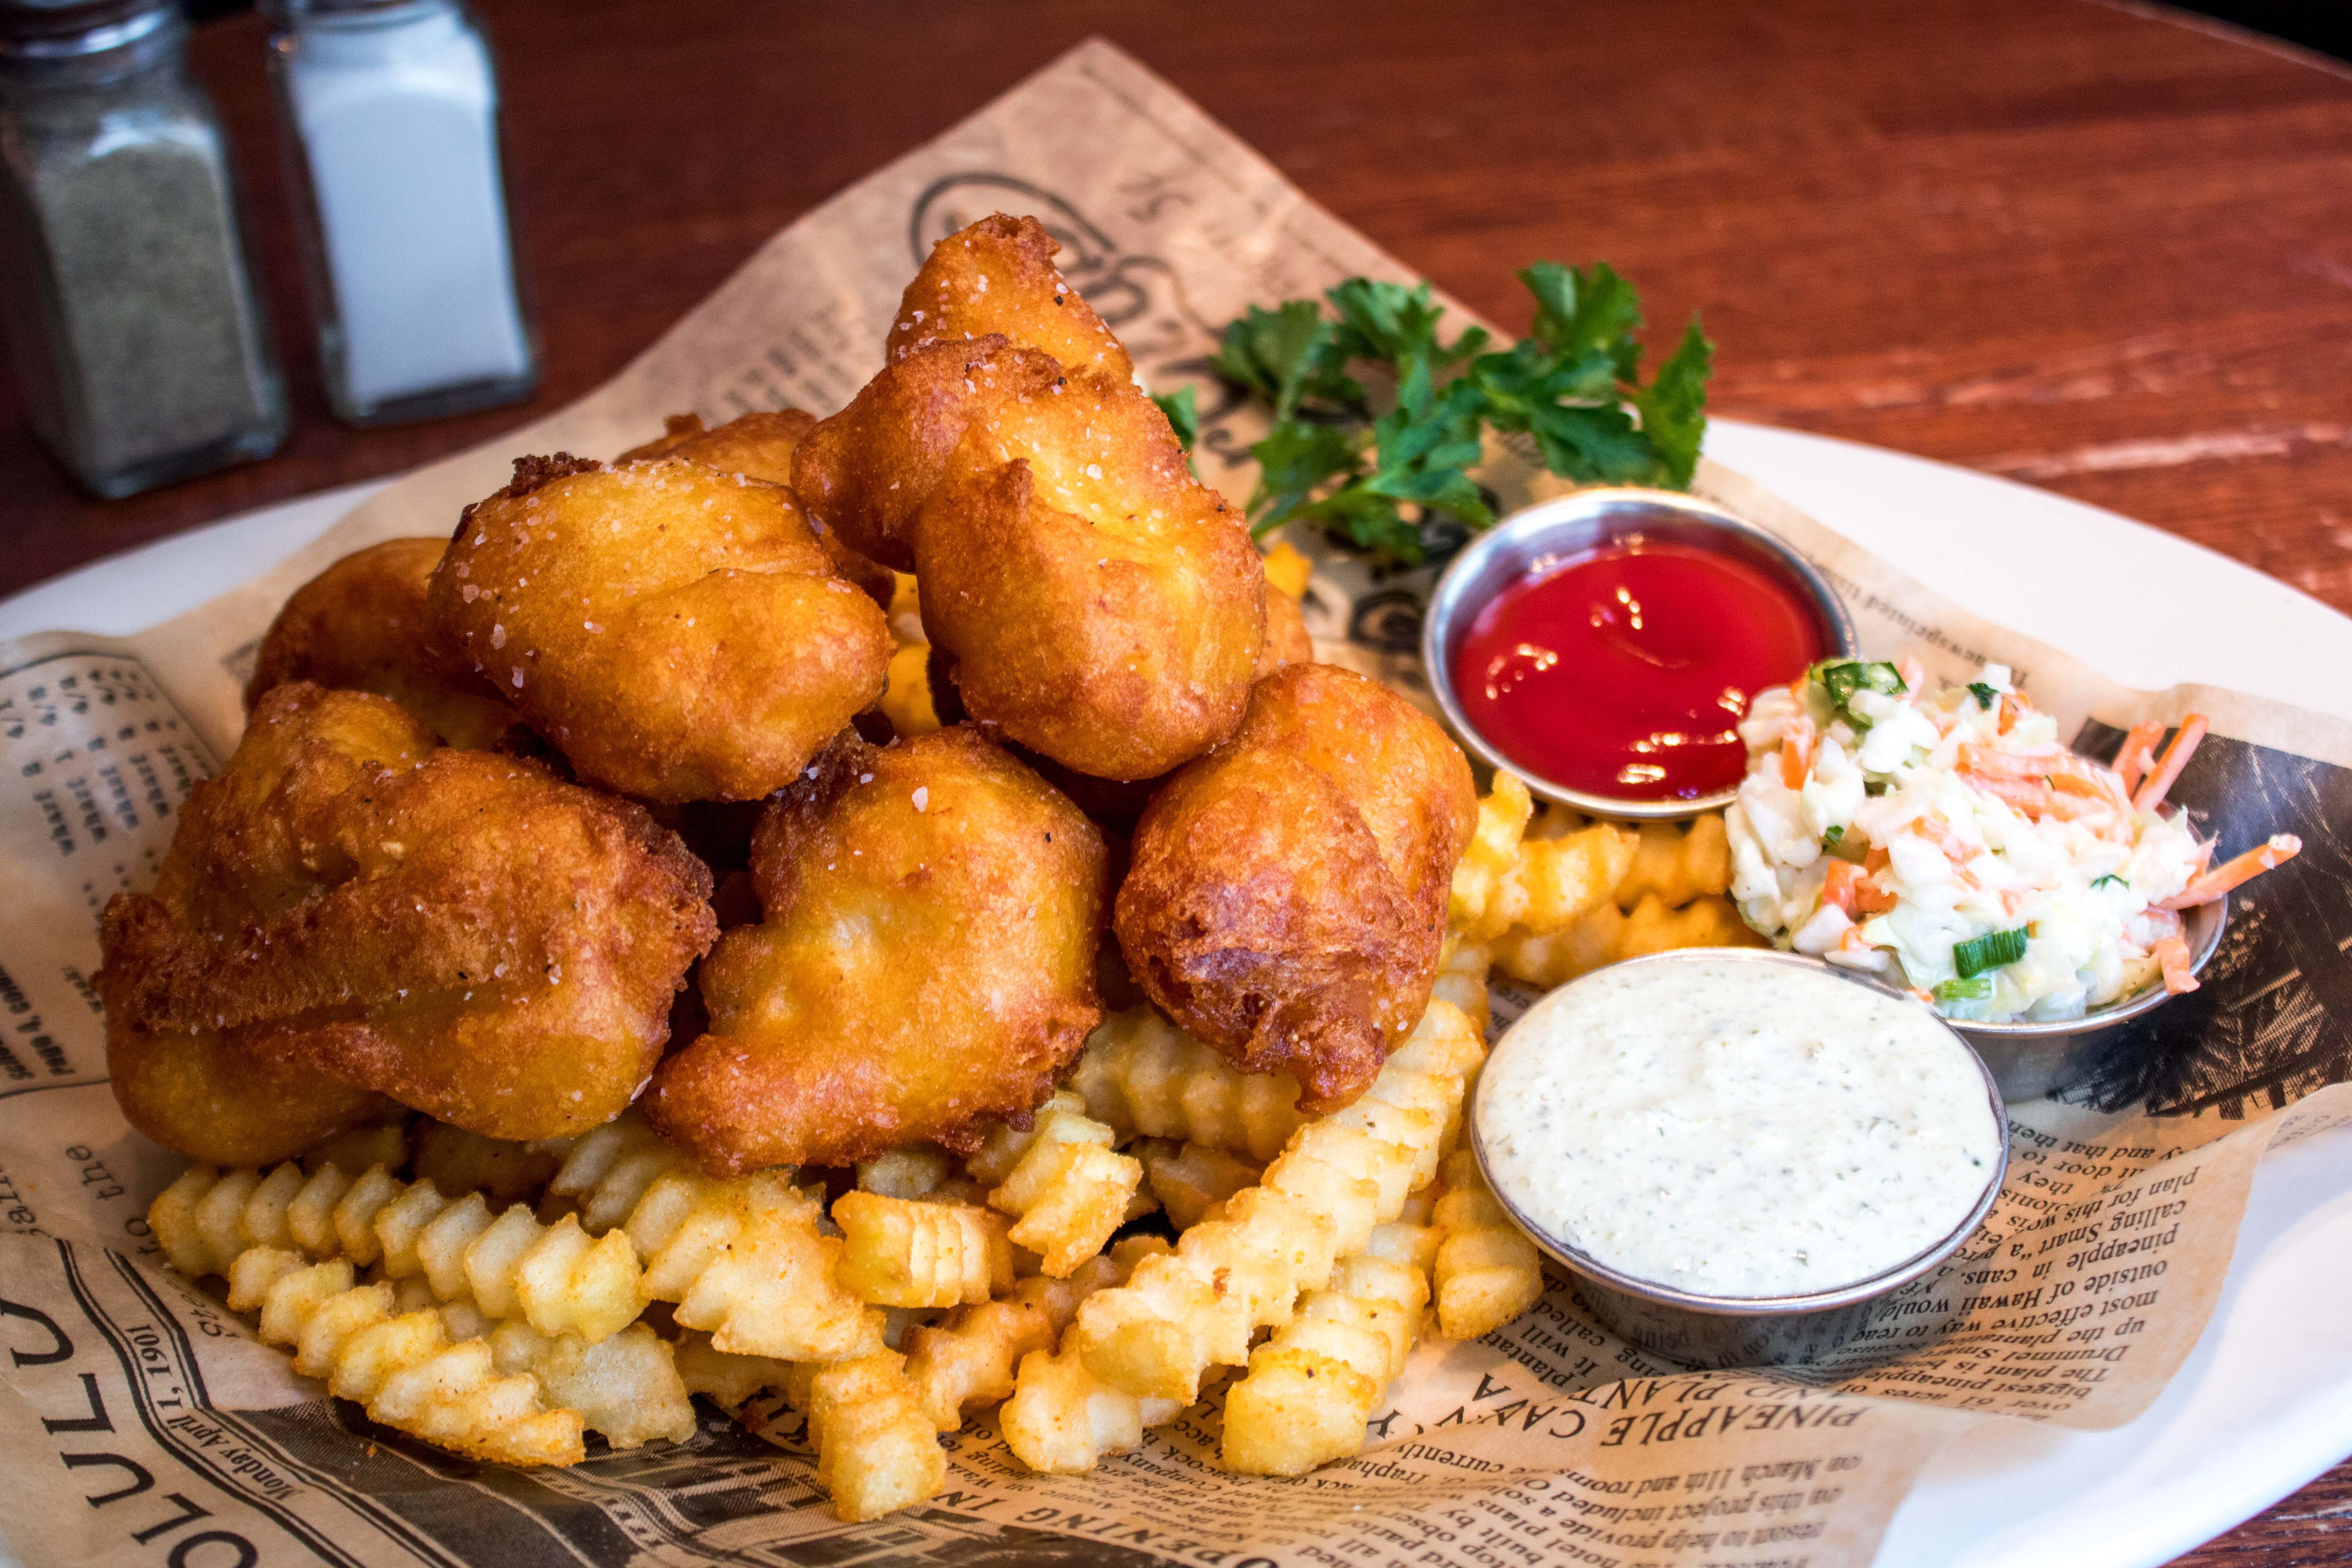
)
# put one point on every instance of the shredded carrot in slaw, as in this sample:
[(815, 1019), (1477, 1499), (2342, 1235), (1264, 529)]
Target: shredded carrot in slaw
[(1799, 744), (2151, 791), (2281, 848)]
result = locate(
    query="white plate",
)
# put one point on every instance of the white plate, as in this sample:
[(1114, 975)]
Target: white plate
[(2265, 1403)]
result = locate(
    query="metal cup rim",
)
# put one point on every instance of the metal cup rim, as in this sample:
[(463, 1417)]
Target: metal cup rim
[(1882, 1283), (1447, 613)]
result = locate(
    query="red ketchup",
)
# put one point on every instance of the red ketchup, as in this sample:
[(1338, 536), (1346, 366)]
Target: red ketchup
[(1625, 671)]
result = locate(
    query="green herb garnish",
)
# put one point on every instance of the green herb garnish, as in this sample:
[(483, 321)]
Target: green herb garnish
[(1843, 679), (1974, 988), (2111, 877), (1183, 411), (1377, 482), (1833, 833), (1990, 950), (1985, 694)]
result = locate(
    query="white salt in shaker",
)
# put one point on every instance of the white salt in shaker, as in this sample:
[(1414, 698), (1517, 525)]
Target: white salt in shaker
[(391, 113)]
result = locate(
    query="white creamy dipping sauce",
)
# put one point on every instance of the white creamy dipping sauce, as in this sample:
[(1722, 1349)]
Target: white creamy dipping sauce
[(1736, 1128)]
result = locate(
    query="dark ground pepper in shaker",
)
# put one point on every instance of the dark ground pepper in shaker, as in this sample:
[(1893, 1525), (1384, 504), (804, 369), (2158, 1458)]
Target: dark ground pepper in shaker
[(130, 318)]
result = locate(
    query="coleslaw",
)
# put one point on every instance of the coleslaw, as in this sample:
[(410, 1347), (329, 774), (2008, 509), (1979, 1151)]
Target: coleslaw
[(1950, 843)]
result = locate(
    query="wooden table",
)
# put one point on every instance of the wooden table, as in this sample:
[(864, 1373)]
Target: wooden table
[(2086, 247)]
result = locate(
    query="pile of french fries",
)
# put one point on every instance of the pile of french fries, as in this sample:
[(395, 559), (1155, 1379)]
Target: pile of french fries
[(1165, 1222), (1560, 895)]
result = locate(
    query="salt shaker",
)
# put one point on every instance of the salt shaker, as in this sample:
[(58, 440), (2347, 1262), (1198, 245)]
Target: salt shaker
[(390, 109), (123, 278)]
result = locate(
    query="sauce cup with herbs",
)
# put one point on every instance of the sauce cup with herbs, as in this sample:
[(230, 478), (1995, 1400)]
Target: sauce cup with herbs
[(1740, 1154)]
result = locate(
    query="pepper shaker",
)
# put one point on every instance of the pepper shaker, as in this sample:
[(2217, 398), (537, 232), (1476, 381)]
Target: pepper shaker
[(389, 111), (123, 277)]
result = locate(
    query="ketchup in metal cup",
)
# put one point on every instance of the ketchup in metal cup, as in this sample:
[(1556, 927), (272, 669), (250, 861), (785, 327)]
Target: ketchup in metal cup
[(1625, 670)]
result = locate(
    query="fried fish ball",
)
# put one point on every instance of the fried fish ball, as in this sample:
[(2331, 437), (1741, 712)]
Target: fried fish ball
[(359, 625), (760, 445), (1102, 607), (866, 472), (459, 930), (988, 318), (927, 963), (677, 632), (1288, 900), (225, 1096), (998, 275)]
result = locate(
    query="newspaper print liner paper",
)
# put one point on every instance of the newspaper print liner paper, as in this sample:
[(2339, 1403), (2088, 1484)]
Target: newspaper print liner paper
[(138, 1421)]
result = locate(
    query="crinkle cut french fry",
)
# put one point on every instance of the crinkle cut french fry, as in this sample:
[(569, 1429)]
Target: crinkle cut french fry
[(1189, 1178), (609, 1170), (876, 1450), (178, 1222), (1061, 1418), (1605, 936), (511, 1264), (902, 1253), (1068, 1191), (206, 1217), (1490, 857), (970, 1358), (381, 1143), (1145, 1076), (457, 1162), (908, 1172), (1508, 876), (1462, 980), (1155, 1336), (405, 1370), (1676, 864), (1486, 1273), (744, 1261), (627, 1386), (728, 1381), (1312, 1387)]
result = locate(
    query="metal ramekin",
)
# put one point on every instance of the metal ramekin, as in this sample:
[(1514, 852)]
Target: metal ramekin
[(1702, 1331), (1571, 525), (2030, 1060)]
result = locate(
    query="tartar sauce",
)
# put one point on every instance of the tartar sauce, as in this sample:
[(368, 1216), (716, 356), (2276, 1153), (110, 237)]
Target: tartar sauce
[(1737, 1127)]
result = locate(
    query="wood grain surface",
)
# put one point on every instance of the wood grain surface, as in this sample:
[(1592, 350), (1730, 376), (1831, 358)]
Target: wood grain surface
[(2092, 248)]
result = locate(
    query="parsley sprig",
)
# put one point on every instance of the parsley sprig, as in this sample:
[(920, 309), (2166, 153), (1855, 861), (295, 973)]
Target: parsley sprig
[(1329, 459)]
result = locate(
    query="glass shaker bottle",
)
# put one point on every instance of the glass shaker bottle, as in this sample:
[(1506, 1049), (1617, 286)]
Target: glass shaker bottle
[(124, 280), (390, 109)]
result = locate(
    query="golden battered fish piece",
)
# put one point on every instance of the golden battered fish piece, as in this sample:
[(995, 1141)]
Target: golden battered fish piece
[(927, 963), (459, 930), (213, 1100), (677, 632), (988, 318), (359, 625), (866, 472), (1101, 605), (1287, 899), (998, 275), (758, 445)]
